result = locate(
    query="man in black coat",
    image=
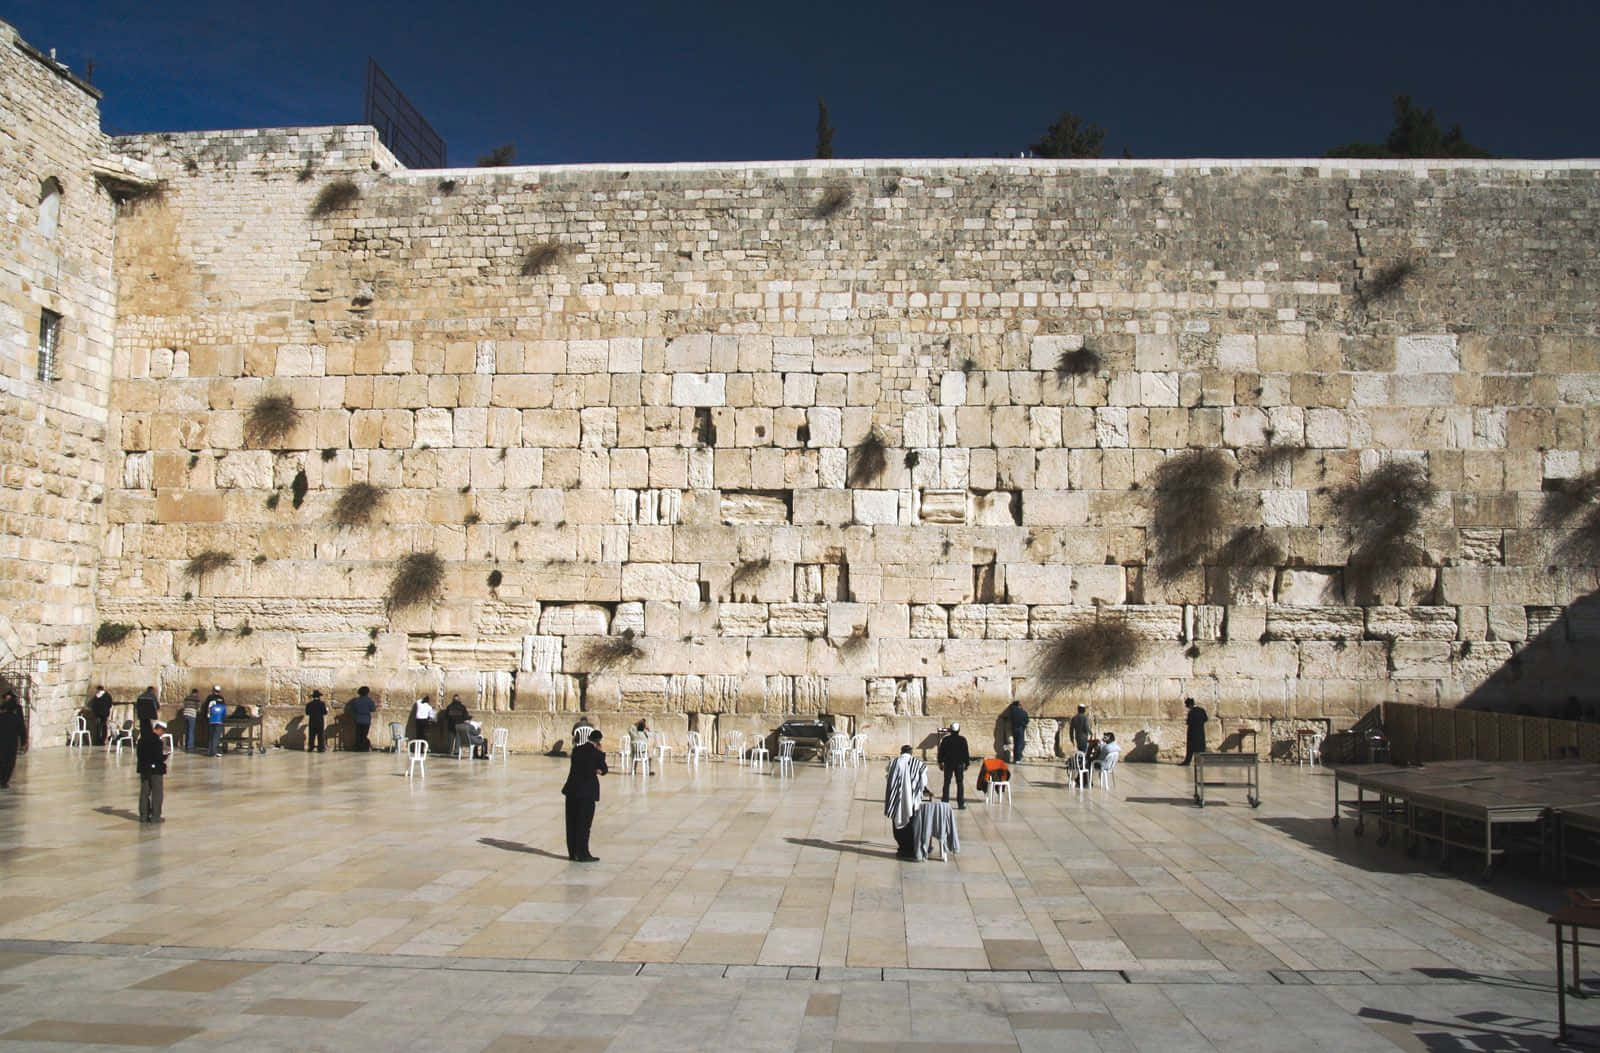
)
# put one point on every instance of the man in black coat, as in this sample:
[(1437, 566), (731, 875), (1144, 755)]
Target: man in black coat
[(147, 707), (100, 706), (316, 723), (953, 760), (152, 756), (1081, 729), (1195, 718), (1017, 717), (13, 736), (583, 793)]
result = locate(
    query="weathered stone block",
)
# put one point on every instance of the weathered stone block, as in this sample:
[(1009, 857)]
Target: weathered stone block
[(1314, 623)]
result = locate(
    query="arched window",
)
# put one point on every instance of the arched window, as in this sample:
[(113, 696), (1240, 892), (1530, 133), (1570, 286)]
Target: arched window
[(49, 206)]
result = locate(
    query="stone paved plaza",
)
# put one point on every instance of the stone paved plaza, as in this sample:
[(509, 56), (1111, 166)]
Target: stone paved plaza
[(328, 902)]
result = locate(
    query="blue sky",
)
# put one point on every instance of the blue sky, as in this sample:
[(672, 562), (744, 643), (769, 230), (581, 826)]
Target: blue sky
[(725, 81)]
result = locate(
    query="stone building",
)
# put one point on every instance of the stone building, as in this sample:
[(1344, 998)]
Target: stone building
[(891, 441)]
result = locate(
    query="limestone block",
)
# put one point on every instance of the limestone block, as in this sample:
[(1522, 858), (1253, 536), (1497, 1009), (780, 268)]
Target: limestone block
[(1111, 427), (522, 390), (574, 619), (754, 506), (1246, 622), (397, 356), (298, 360), (629, 617), (833, 507), (1286, 622), (1094, 584), (1465, 585), (1244, 426), (624, 354), (993, 508), (1411, 623), (1055, 508), (1006, 621), (1481, 546), (660, 581), (1046, 350), (1427, 353), (1158, 389), (943, 506), (968, 621), (846, 619), (929, 621), (1204, 623), (1281, 508), (433, 428), (1419, 660), (798, 619), (1035, 583), (1327, 428), (742, 619), (245, 470), (694, 389), (1301, 587), (1507, 622), (1339, 660), (842, 354), (876, 506), (920, 427)]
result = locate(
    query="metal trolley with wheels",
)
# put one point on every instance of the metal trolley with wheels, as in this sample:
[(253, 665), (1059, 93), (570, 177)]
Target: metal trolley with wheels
[(1216, 765)]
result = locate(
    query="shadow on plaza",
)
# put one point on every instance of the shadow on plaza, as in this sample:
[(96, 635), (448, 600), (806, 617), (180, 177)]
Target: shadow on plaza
[(118, 813), (1473, 1032), (840, 846), (1516, 878), (518, 846)]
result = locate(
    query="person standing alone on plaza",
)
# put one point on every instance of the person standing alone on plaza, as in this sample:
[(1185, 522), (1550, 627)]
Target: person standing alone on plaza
[(152, 755), (361, 710), (905, 785), (316, 723), (216, 713), (1017, 718), (1194, 718), (582, 791), (13, 736), (954, 756), (1082, 731)]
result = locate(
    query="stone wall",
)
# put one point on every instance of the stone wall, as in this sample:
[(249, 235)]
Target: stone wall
[(52, 433), (620, 400)]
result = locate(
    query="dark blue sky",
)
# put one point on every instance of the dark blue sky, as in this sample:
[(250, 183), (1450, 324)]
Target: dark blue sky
[(627, 81)]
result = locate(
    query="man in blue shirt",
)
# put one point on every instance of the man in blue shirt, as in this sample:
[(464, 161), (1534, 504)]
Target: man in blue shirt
[(361, 708), (216, 713)]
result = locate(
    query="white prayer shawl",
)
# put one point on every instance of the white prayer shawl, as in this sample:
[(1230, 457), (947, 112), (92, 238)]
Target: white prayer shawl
[(907, 778)]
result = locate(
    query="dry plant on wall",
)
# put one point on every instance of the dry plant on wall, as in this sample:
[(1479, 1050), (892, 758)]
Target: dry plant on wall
[(541, 258), (1086, 652), (1382, 513), (608, 652), (834, 198), (206, 562), (1385, 283), (339, 194), (357, 505), (1250, 547), (418, 579), (1076, 363), (271, 418), (869, 459), (1190, 509), (110, 634)]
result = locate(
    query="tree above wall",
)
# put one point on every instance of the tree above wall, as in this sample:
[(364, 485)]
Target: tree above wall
[(1416, 133)]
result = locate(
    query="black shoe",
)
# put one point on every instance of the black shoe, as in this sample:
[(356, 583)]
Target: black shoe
[(961, 807)]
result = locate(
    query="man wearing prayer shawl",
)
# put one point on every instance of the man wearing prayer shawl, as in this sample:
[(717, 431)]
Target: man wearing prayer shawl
[(903, 791)]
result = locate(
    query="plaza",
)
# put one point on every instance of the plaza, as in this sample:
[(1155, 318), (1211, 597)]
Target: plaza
[(332, 902)]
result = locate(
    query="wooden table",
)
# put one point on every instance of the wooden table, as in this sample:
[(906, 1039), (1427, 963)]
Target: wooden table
[(1248, 762)]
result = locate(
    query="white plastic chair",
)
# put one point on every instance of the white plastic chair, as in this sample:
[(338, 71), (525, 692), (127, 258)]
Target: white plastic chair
[(397, 737), (858, 750), (997, 789), (641, 754), (695, 749), (735, 746), (463, 742), (786, 756), (580, 735), (758, 755), (838, 751), (120, 737), (624, 751), (167, 742), (418, 748), (501, 741), (1311, 751), (659, 743), (1078, 770), (1107, 770), (78, 735)]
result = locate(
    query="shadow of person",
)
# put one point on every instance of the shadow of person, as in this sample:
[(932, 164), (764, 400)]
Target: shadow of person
[(1145, 749), (294, 734), (518, 846), (839, 846), (120, 813)]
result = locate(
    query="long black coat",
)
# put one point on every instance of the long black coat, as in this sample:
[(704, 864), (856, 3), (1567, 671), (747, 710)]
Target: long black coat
[(583, 778), (953, 752), (1196, 718)]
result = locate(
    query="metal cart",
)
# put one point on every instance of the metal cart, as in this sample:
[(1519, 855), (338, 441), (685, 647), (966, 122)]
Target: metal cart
[(1250, 764)]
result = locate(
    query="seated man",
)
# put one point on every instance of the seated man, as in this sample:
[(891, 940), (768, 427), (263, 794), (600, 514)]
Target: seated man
[(1106, 757), (993, 769), (468, 736)]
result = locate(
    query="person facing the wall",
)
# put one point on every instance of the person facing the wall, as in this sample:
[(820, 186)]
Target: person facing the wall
[(954, 756), (147, 707), (216, 713), (423, 718), (1194, 718), (190, 711), (316, 723), (1017, 719), (361, 710), (100, 708), (582, 791)]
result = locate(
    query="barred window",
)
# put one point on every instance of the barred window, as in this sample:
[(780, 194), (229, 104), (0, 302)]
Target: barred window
[(49, 343)]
